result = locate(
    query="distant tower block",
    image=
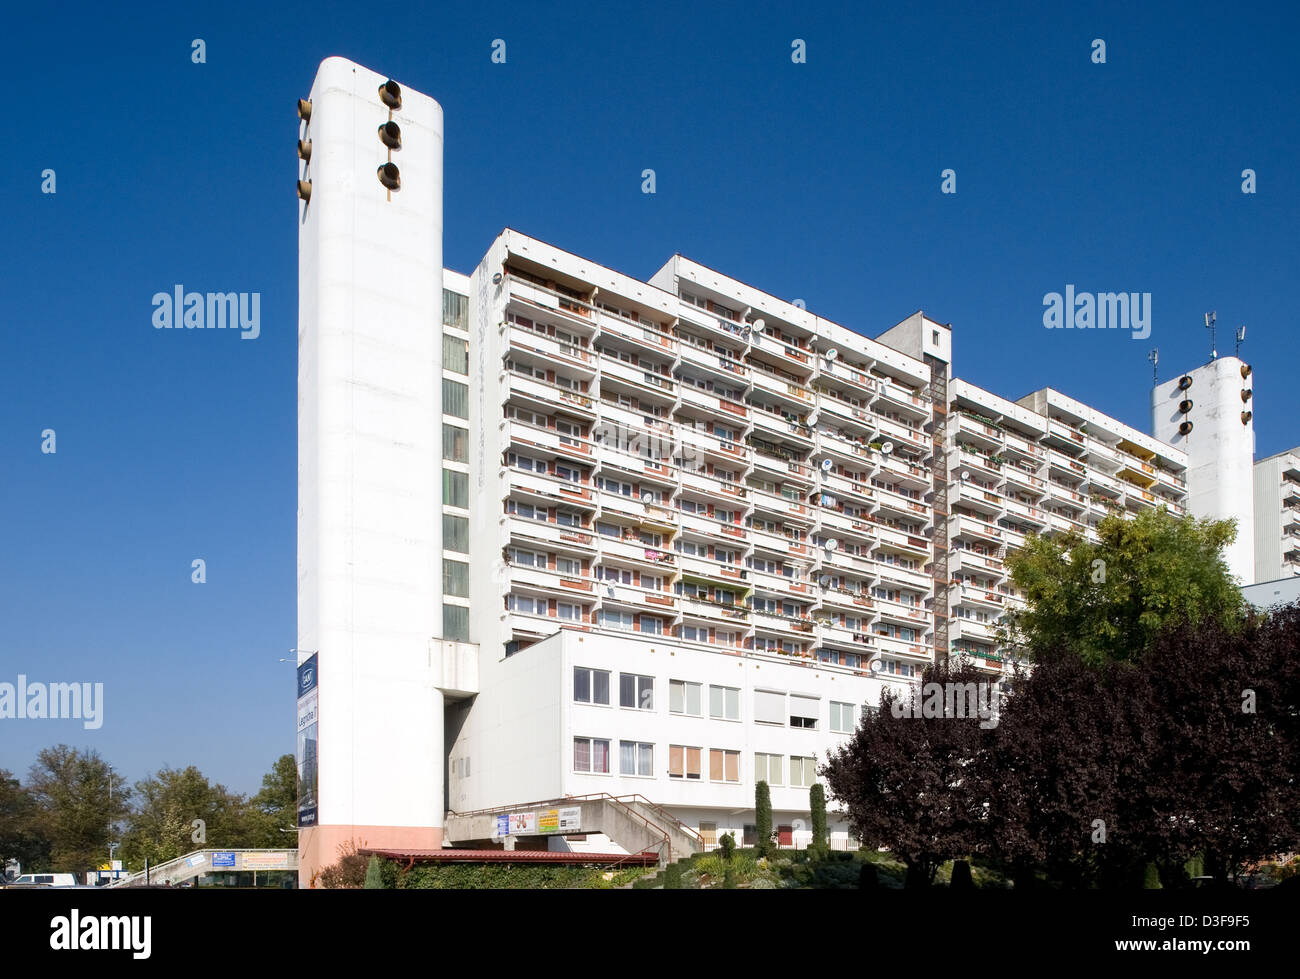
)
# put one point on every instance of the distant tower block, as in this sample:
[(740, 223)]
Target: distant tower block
[(1209, 414)]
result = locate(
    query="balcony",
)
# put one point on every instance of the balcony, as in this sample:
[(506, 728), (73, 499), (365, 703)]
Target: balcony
[(561, 309), (839, 413), (968, 526), (900, 433), (712, 404), (542, 349), (895, 395), (545, 534), (985, 435), (895, 574), (638, 333), (544, 396), (548, 582), (548, 441), (629, 548), (788, 390), (642, 380)]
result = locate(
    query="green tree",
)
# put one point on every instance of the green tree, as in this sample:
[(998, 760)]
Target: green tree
[(79, 799), (817, 804), (161, 826), (274, 810), (1106, 600), (374, 875), (763, 817), (20, 836)]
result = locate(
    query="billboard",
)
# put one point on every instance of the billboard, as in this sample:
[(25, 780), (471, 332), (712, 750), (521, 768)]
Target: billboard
[(308, 739)]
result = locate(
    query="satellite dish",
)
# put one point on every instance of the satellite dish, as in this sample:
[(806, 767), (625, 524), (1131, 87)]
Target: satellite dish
[(496, 278), (824, 580), (813, 416), (886, 447), (647, 497), (832, 354), (832, 545), (757, 326), (827, 465), (965, 475)]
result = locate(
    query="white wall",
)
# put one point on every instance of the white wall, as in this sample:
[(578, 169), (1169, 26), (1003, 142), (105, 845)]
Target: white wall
[(370, 284), (1220, 450)]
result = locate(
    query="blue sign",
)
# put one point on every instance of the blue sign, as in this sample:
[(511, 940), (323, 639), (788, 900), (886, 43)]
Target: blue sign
[(224, 858), (503, 825)]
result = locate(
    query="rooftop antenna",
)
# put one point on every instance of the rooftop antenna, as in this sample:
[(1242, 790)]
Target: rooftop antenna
[(1241, 338), (1154, 357), (1209, 325)]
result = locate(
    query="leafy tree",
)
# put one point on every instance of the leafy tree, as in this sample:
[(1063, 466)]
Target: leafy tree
[(913, 784), (275, 807), (1067, 768), (1107, 600), (79, 799), (763, 817), (161, 825), (20, 836), (374, 875)]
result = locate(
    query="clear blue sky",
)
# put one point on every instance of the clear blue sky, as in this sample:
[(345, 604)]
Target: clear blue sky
[(817, 181)]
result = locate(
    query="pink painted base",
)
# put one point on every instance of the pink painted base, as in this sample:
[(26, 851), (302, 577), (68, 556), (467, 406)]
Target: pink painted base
[(320, 846)]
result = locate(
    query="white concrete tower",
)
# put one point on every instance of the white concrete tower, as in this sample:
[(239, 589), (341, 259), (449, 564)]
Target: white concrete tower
[(1208, 413), (369, 496)]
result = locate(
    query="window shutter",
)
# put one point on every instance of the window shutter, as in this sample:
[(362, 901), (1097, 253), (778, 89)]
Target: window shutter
[(732, 772), (715, 764), (675, 766), (769, 707), (692, 762)]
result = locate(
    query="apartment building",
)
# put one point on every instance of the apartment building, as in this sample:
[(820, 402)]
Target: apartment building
[(680, 534), (1277, 516), (1045, 464)]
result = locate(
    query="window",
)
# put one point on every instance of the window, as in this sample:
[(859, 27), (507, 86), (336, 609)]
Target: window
[(526, 603), (455, 578), (636, 691), (684, 697), (455, 489), (803, 771), (569, 611), (591, 755), (455, 444), (568, 566), (804, 711), (724, 765), (724, 703), (455, 533), (651, 625), (636, 758), (683, 762), (455, 310), (455, 622), (769, 769), (590, 686), (455, 355), (527, 559), (769, 707), (615, 620), (842, 719), (455, 398)]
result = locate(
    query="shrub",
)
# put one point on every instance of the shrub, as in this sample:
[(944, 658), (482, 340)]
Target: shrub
[(763, 817), (868, 880), (961, 878), (673, 877), (817, 804), (727, 845), (349, 871), (374, 875)]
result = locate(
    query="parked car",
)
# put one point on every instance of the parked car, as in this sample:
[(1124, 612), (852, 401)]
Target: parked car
[(43, 880)]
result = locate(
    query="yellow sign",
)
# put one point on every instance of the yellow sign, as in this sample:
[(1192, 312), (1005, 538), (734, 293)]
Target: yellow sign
[(548, 821)]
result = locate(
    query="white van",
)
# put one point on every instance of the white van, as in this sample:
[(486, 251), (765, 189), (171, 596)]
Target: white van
[(44, 880)]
